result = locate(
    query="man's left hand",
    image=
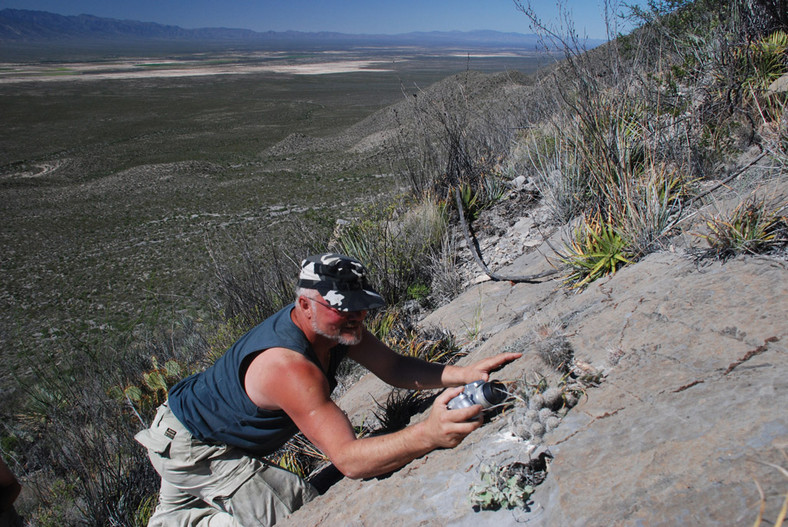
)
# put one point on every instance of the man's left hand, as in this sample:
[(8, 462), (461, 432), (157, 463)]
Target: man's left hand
[(481, 370)]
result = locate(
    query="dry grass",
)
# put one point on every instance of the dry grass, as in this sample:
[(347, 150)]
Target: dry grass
[(755, 226)]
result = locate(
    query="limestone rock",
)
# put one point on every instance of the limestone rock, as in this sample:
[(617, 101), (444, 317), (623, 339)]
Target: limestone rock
[(779, 86), (689, 412)]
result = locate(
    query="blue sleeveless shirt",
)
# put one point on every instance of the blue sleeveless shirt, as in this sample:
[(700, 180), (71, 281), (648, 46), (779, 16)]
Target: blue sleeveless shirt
[(213, 405)]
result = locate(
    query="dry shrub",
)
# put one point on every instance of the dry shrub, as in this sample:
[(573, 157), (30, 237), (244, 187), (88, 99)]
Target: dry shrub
[(256, 279), (395, 244), (754, 227)]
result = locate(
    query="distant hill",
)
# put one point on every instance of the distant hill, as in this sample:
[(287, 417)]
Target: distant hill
[(18, 26)]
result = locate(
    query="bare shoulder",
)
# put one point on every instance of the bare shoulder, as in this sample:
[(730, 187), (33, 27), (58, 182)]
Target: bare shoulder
[(277, 373)]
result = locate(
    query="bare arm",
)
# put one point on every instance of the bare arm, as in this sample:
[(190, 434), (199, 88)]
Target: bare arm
[(281, 378), (409, 372)]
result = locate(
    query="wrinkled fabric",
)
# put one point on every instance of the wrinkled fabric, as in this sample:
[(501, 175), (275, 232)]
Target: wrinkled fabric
[(214, 406), (216, 485)]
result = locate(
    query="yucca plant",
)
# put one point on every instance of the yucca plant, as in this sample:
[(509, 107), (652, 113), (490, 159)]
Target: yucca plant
[(596, 250), (614, 153), (751, 228), (603, 160), (768, 60), (446, 282), (559, 176), (649, 207)]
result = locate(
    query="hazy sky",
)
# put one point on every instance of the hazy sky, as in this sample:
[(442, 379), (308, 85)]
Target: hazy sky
[(345, 16)]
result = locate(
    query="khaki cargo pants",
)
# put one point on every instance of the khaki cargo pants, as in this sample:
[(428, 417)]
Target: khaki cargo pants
[(215, 485)]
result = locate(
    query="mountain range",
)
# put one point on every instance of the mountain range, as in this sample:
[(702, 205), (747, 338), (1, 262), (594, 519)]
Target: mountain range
[(26, 26)]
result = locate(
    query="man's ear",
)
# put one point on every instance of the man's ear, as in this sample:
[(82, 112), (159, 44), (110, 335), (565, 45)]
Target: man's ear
[(305, 305)]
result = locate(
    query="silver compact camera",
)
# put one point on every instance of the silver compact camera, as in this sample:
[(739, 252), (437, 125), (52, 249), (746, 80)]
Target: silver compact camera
[(486, 394)]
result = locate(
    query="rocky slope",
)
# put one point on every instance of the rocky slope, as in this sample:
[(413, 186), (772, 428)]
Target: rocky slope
[(682, 419)]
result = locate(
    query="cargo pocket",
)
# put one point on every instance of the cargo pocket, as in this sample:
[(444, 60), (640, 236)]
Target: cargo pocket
[(154, 441), (268, 496)]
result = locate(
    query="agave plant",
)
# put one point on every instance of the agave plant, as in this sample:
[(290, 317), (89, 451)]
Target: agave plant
[(596, 251)]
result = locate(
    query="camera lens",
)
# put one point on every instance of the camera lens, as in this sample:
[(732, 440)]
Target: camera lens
[(494, 393)]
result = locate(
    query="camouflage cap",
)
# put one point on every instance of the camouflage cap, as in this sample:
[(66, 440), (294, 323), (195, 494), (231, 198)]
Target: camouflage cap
[(340, 280)]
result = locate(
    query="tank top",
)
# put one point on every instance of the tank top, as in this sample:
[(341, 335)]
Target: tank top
[(213, 404)]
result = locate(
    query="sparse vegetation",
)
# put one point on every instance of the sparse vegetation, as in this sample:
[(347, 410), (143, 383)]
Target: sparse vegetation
[(395, 329), (507, 486), (627, 149), (618, 140), (751, 228), (396, 244), (74, 435)]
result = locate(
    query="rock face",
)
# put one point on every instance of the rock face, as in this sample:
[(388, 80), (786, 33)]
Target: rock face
[(688, 420)]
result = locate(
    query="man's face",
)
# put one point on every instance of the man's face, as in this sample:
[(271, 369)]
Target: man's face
[(343, 327)]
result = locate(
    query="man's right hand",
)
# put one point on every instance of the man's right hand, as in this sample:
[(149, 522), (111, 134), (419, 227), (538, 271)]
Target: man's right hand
[(447, 428)]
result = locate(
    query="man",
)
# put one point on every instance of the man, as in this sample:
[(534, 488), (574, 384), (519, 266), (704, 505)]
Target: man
[(206, 442)]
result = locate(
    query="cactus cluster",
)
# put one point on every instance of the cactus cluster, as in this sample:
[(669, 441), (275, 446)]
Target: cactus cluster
[(542, 413)]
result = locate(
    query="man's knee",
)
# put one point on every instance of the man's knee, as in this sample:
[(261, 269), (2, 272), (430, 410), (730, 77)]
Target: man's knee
[(271, 495)]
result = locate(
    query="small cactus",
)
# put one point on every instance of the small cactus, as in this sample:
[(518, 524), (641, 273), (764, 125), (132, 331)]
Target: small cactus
[(545, 414), (536, 402), (552, 423), (537, 429), (554, 398), (522, 430)]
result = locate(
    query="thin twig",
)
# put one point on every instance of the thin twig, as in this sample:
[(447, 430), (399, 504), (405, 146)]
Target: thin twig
[(726, 180), (477, 255)]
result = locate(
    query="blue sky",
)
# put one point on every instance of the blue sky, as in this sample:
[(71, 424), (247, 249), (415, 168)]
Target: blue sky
[(345, 16)]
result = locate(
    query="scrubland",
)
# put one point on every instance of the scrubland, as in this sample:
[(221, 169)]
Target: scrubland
[(149, 222)]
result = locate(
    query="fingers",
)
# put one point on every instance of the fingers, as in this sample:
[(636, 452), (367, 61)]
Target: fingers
[(447, 395), (463, 415), (481, 370), (455, 425), (493, 363), (449, 427), (504, 358)]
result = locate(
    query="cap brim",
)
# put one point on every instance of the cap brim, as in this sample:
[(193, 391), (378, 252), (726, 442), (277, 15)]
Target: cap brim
[(353, 300)]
